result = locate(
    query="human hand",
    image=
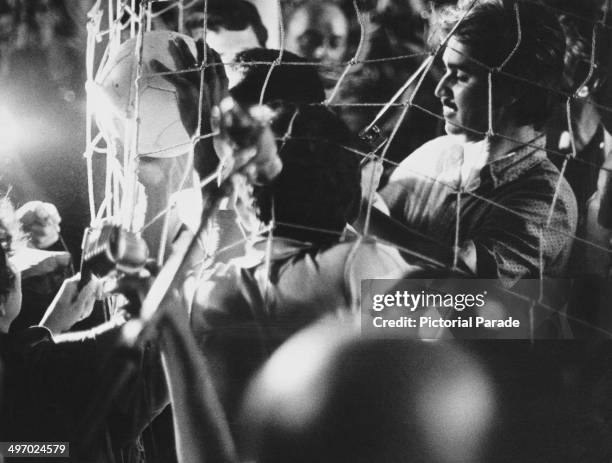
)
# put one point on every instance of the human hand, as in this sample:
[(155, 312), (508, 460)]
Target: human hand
[(187, 84), (246, 144), (371, 172), (41, 222), (70, 306)]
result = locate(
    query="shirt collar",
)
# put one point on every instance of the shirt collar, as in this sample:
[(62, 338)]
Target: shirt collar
[(515, 164)]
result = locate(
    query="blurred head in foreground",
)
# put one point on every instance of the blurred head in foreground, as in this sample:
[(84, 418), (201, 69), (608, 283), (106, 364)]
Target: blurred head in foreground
[(329, 396)]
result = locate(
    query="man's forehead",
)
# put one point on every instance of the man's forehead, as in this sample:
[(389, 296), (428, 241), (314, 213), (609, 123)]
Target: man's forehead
[(328, 18), (458, 55), (225, 41)]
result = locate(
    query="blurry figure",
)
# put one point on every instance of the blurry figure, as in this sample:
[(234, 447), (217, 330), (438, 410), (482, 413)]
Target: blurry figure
[(50, 31), (328, 395), (590, 141), (163, 162), (243, 309), (7, 30), (161, 178), (394, 49), (257, 62), (67, 308), (232, 26), (44, 264), (166, 179), (51, 380), (41, 222), (400, 26), (325, 33), (318, 31), (42, 70)]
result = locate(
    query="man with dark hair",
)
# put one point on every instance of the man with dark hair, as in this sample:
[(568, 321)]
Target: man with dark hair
[(319, 184), (256, 62), (232, 26), (516, 215)]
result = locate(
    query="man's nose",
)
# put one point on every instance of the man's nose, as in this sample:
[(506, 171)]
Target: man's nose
[(321, 53), (443, 89)]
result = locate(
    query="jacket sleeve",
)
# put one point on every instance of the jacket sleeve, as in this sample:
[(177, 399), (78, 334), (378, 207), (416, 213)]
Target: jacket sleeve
[(98, 383)]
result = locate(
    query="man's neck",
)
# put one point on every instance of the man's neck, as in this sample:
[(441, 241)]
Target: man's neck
[(478, 153), (510, 140)]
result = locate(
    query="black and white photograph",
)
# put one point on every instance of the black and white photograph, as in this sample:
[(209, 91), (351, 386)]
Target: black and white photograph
[(306, 231)]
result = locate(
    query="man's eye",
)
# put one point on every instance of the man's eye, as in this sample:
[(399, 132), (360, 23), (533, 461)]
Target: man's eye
[(310, 40), (462, 77), (335, 41)]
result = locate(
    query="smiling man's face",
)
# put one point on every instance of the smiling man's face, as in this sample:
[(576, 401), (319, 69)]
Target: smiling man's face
[(463, 92)]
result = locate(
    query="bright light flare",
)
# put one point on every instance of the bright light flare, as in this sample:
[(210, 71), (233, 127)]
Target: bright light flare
[(106, 113), (12, 133)]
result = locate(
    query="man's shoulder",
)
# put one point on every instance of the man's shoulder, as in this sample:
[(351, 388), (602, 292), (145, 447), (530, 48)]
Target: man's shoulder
[(224, 278), (534, 190), (365, 259), (426, 160), (338, 271), (564, 193), (29, 340), (334, 269), (546, 178)]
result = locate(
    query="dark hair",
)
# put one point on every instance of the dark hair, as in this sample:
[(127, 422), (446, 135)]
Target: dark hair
[(319, 186), (233, 15), (490, 30), (292, 83)]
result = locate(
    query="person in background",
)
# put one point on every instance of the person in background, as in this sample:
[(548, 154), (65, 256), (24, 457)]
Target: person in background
[(232, 26), (394, 49), (51, 380), (318, 31), (586, 151), (44, 262)]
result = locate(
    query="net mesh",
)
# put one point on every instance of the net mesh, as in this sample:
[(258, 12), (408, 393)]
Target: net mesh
[(112, 22)]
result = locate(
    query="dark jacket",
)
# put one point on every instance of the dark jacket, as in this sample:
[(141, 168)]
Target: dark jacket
[(88, 391)]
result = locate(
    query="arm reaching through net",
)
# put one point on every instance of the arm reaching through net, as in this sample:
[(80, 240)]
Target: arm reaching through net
[(201, 429), (194, 100)]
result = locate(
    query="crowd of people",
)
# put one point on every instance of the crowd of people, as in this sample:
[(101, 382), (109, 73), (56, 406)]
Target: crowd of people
[(493, 164)]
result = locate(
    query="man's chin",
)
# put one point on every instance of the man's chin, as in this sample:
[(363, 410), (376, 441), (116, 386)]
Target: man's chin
[(452, 129)]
